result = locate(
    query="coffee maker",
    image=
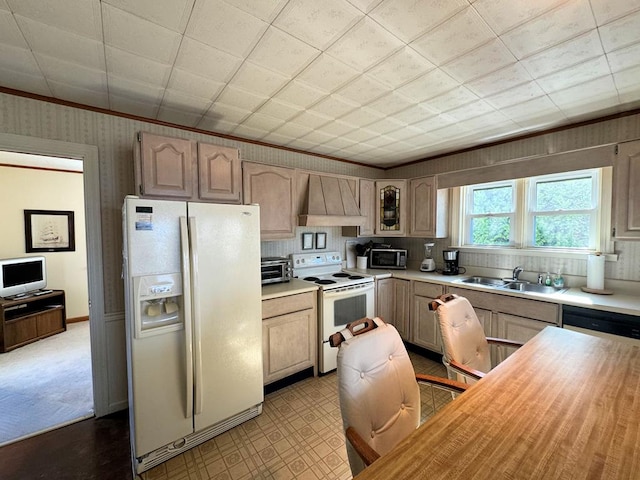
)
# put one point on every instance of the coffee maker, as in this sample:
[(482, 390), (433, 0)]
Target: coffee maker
[(450, 262)]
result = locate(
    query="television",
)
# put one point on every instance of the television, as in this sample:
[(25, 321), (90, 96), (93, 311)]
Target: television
[(19, 276)]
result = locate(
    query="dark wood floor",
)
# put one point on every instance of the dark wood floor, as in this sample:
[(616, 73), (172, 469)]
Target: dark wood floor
[(91, 449)]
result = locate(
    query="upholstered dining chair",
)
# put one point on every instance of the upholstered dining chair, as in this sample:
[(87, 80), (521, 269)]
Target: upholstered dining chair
[(378, 389), (467, 354)]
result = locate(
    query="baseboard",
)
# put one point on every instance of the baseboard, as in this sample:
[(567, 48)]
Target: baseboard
[(78, 319)]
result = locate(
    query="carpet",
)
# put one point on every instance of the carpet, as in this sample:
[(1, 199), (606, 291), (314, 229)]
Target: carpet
[(46, 384)]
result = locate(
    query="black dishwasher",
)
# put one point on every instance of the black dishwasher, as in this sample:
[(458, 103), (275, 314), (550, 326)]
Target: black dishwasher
[(600, 321)]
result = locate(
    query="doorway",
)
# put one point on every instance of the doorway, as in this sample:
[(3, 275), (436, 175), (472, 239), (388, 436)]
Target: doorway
[(89, 156)]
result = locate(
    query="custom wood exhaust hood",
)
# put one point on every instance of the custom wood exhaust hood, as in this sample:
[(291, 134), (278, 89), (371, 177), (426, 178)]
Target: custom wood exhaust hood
[(330, 202)]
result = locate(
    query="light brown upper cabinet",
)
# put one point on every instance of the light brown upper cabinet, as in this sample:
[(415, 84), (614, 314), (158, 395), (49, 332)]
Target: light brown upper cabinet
[(180, 169), (390, 198), (626, 194), (429, 208), (367, 206), (273, 188)]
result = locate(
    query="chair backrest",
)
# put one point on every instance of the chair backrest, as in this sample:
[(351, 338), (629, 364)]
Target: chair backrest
[(379, 395), (463, 337)]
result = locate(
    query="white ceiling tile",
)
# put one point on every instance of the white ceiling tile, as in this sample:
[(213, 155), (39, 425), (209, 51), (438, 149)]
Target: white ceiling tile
[(433, 123), (26, 82), (585, 93), (503, 15), (178, 117), (363, 90), (241, 98), (263, 122), (390, 104), (624, 58), (276, 138), (485, 59), (564, 55), (18, 59), (470, 110), (172, 14), (562, 23), (299, 94), (363, 116), (499, 80), (228, 113), (327, 73), (4, 5), (408, 19), (279, 51), (543, 120), (72, 75), (339, 143), (133, 107), (414, 114), (607, 10), (333, 106), (627, 80), (206, 61), (450, 131), (360, 135), (451, 99), (141, 37), (458, 35), (604, 105), (292, 130), (583, 72), (364, 45), (539, 106), (364, 5), (127, 89), (177, 100), (317, 23), (428, 85), (265, 10), (385, 125), (518, 94), (224, 27), (311, 120), (195, 85), (10, 34), (406, 133), (621, 33), (259, 80), (278, 109), (128, 65), (74, 93), (211, 123), (77, 16), (317, 137), (337, 128), (62, 44), (399, 68), (487, 121), (302, 145), (380, 141)]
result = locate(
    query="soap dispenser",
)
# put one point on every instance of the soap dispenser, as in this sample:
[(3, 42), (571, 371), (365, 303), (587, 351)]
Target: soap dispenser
[(547, 279)]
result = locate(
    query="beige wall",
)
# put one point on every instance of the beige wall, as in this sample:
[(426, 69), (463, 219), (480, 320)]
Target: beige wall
[(30, 189)]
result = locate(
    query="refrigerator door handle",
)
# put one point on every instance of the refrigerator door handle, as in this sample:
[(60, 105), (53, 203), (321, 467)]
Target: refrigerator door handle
[(196, 318), (188, 318)]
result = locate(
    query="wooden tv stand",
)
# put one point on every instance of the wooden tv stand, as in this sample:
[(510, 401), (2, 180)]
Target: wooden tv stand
[(29, 318)]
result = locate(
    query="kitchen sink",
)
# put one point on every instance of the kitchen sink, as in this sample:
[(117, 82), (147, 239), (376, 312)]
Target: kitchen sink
[(531, 287), (487, 281)]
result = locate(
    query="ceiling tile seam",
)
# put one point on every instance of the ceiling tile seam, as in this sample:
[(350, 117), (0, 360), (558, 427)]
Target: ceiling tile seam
[(530, 19)]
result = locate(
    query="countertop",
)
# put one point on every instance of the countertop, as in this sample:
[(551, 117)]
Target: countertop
[(618, 302), (292, 287)]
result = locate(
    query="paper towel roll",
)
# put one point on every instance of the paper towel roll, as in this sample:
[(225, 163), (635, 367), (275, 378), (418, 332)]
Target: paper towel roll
[(595, 271)]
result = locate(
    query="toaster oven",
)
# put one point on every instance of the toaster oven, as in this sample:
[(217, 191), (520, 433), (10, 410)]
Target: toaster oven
[(275, 269)]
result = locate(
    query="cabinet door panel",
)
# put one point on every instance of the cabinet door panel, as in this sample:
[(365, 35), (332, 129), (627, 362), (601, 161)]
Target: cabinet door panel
[(425, 329), (166, 167), (516, 328), (626, 204), (219, 173), (391, 207), (401, 306), (20, 331), (50, 322)]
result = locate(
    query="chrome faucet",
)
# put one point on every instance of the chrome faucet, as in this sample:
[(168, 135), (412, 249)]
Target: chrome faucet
[(516, 272), (540, 281)]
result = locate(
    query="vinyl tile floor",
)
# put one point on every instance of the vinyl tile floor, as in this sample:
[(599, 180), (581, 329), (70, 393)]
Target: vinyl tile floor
[(298, 436)]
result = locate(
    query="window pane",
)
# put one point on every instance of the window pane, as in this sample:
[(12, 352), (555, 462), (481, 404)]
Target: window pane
[(571, 230), (490, 230), (573, 194), (492, 200)]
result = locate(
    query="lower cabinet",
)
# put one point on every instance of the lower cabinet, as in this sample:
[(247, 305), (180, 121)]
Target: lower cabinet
[(289, 326), (392, 303), (425, 331)]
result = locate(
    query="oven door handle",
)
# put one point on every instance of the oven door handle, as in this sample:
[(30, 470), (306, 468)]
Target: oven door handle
[(344, 291)]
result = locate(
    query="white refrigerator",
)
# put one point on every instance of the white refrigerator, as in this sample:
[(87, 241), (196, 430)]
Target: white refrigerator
[(193, 323)]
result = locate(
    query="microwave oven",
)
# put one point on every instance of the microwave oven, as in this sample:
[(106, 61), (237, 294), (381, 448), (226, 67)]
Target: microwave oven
[(393, 258), (275, 269)]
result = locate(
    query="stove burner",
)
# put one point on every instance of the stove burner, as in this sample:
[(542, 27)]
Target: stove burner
[(355, 277), (325, 282), (341, 275), (311, 279)]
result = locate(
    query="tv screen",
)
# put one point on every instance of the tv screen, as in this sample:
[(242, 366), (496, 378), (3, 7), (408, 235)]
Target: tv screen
[(22, 275)]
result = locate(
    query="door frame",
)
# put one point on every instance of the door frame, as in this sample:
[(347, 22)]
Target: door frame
[(88, 154)]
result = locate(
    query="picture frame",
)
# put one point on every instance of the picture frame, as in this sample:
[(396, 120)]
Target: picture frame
[(307, 241), (49, 231), (321, 240)]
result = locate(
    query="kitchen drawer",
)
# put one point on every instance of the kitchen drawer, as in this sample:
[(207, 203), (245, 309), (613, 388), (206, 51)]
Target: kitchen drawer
[(430, 290), (288, 304), (522, 307)]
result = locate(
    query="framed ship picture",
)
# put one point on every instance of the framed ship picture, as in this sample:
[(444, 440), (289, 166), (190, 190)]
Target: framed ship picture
[(49, 231)]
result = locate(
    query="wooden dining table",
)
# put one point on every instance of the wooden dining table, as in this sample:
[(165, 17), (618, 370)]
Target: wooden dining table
[(564, 406)]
